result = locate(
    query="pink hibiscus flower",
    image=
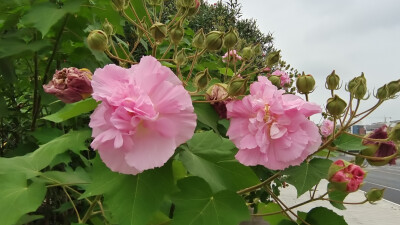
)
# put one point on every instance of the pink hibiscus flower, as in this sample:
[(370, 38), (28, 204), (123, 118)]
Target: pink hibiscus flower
[(348, 174), (144, 115), (272, 129), (327, 128)]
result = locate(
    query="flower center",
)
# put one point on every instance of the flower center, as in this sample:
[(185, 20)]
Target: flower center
[(266, 116)]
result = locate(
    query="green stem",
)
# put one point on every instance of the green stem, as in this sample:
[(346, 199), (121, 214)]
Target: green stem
[(255, 187), (147, 11), (192, 66), (73, 205), (89, 212)]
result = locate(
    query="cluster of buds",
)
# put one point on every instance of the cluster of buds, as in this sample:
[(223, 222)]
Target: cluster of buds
[(388, 91), (385, 152), (345, 176), (70, 84), (358, 87)]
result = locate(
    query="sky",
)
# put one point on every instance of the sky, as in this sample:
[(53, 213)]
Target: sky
[(350, 36)]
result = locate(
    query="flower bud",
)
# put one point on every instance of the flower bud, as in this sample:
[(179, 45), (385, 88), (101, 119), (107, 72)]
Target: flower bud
[(247, 53), (393, 87), (275, 80), (120, 5), (272, 58), (382, 93), (257, 49), (214, 40), (97, 40), (335, 106), (108, 28), (332, 81), (345, 176), (201, 79), (395, 133), (194, 8), (186, 3), (305, 84), (358, 86), (237, 86), (158, 31), (180, 58), (176, 34), (231, 38), (374, 195), (199, 39)]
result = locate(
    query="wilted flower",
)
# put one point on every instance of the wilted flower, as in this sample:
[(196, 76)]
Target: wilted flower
[(144, 115), (326, 128), (218, 92), (272, 129), (232, 55), (70, 84), (345, 176)]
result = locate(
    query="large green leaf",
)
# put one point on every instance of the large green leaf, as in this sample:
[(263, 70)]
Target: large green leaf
[(131, 199), (207, 115), (337, 197), (324, 216), (71, 110), (52, 12), (32, 163), (196, 204), (307, 174), (79, 177), (349, 142), (212, 157), (18, 198), (12, 46), (272, 208)]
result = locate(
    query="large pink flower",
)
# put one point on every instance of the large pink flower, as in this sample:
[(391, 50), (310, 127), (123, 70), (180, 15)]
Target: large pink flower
[(144, 115), (346, 176), (272, 129)]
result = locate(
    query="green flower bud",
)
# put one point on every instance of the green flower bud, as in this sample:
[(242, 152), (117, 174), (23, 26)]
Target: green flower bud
[(120, 5), (272, 58), (332, 81), (231, 38), (194, 8), (247, 53), (275, 80), (335, 106), (237, 86), (199, 39), (176, 34), (108, 28), (214, 40), (257, 49), (374, 195), (180, 58), (186, 3), (382, 93), (393, 87), (158, 31), (358, 86), (395, 133), (201, 79), (97, 40), (305, 84), (154, 2)]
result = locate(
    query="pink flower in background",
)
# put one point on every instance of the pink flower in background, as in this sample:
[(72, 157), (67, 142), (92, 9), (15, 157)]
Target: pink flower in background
[(285, 79), (70, 84), (233, 56), (382, 149), (144, 115), (272, 129), (326, 128), (350, 175)]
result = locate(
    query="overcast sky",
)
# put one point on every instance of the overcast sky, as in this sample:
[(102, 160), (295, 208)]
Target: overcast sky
[(350, 36)]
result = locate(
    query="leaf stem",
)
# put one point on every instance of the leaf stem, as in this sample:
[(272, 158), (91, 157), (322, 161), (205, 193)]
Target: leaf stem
[(89, 212), (255, 187), (73, 205)]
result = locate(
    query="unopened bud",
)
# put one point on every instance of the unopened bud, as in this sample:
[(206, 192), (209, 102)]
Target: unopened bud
[(332, 81), (97, 40), (199, 39), (335, 106), (158, 31), (176, 34), (374, 195), (358, 86), (247, 53), (214, 40), (194, 8), (305, 84), (382, 93), (237, 86), (275, 80), (257, 49), (272, 58), (231, 38), (395, 133), (120, 5), (180, 58), (186, 3), (108, 28), (394, 87), (201, 79)]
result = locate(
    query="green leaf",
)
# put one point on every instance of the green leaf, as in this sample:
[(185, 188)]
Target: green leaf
[(307, 174), (159, 218), (196, 204), (324, 216), (349, 142), (26, 219), (79, 177), (46, 134), (10, 47), (71, 110), (18, 198), (32, 163), (53, 13), (131, 199), (207, 115), (224, 71), (271, 208), (325, 152), (212, 157), (336, 195)]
